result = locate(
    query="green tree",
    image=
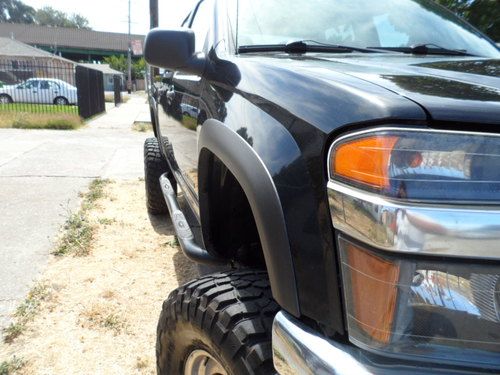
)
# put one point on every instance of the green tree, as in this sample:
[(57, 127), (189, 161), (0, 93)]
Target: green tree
[(484, 14), (16, 11), (48, 16), (139, 68), (119, 62)]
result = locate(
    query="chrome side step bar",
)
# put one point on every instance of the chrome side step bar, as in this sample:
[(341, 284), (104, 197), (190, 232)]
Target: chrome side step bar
[(184, 234)]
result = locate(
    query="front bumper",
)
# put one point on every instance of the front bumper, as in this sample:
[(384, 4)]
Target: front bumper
[(297, 349)]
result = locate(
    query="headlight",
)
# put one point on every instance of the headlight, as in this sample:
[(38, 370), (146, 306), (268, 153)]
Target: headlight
[(421, 166), (418, 221)]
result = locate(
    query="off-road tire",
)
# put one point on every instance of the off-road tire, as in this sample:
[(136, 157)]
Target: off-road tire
[(154, 166), (227, 314)]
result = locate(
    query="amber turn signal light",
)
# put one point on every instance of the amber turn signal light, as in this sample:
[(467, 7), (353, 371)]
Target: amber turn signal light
[(365, 160), (373, 292)]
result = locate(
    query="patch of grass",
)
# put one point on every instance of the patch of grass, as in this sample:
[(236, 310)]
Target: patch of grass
[(78, 230), (103, 316), (189, 122), (11, 366), (96, 192), (23, 120), (38, 108), (13, 331), (78, 236), (140, 126), (31, 304), (26, 311), (174, 242), (112, 321), (106, 221)]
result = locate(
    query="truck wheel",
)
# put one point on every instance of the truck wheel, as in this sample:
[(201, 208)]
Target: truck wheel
[(218, 324), (154, 166)]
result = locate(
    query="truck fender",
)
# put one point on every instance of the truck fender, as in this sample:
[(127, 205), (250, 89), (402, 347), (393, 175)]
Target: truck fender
[(253, 176)]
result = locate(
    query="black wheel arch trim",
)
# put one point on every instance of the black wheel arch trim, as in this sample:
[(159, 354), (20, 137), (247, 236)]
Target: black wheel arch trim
[(251, 173)]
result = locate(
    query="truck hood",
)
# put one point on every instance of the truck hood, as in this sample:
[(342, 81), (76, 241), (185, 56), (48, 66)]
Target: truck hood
[(454, 89)]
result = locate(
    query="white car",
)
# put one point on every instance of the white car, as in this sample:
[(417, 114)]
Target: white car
[(39, 91), (189, 110)]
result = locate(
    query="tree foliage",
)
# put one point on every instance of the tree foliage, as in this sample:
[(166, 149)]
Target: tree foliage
[(48, 16), (119, 62), (484, 14), (16, 11)]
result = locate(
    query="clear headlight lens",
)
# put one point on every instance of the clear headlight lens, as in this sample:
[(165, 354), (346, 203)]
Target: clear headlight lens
[(408, 191), (402, 306), (422, 166)]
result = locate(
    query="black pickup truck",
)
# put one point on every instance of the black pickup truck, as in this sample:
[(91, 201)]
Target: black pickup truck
[(338, 162)]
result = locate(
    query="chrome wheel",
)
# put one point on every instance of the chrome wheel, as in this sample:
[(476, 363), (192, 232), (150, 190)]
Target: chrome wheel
[(61, 101), (201, 362)]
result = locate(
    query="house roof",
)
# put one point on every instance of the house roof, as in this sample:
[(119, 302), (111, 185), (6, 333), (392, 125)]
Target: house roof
[(15, 48), (67, 37), (104, 68)]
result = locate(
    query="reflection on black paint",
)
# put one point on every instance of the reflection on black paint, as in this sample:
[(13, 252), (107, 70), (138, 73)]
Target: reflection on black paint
[(482, 67), (243, 133), (444, 88)]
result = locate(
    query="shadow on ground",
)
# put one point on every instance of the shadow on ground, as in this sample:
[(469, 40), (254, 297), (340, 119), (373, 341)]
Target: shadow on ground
[(185, 269), (162, 224)]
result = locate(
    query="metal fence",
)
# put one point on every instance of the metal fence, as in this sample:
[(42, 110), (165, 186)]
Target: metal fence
[(90, 83), (38, 86)]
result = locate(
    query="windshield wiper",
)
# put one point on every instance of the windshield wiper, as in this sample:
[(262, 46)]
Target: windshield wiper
[(302, 47), (426, 49)]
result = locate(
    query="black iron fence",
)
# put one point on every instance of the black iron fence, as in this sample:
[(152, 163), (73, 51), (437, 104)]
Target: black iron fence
[(46, 85), (38, 86)]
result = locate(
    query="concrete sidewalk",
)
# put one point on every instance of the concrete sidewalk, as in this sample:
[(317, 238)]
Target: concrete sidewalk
[(41, 174), (136, 109)]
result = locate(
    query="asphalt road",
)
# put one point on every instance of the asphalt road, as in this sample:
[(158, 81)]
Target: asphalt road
[(41, 174)]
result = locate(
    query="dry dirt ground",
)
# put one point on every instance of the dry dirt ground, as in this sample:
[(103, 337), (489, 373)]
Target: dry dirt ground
[(100, 311)]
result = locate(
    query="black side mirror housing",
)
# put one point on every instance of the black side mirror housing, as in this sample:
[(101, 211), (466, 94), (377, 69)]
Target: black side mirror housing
[(173, 49)]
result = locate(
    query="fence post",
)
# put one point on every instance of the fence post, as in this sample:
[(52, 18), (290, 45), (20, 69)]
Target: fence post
[(117, 86)]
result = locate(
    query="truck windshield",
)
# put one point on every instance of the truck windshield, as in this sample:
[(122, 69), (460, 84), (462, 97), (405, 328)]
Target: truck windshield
[(358, 23)]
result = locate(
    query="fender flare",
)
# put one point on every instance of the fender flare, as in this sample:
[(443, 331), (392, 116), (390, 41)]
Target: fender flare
[(253, 176)]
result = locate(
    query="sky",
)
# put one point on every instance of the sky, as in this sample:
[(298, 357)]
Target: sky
[(112, 15)]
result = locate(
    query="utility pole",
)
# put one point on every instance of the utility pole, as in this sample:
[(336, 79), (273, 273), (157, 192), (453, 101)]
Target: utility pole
[(129, 54), (153, 13), (153, 22)]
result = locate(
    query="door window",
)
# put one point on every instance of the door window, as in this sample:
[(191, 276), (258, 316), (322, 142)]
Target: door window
[(54, 85), (44, 85), (28, 85)]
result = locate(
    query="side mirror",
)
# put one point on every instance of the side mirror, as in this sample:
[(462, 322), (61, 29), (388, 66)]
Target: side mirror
[(173, 49)]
